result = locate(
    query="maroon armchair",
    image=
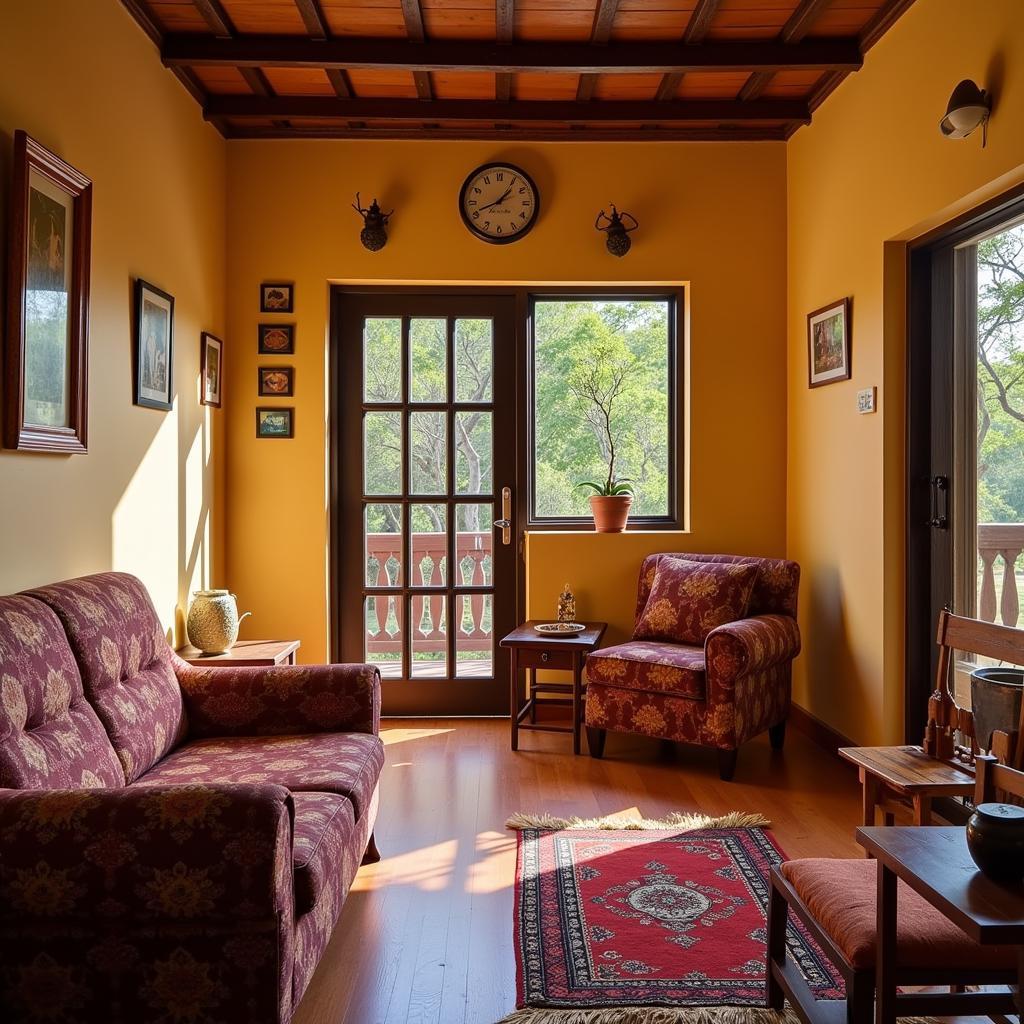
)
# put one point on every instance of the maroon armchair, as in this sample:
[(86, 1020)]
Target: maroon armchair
[(718, 694), (176, 842)]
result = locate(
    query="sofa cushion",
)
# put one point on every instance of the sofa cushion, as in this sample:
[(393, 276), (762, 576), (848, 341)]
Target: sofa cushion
[(690, 599), (324, 824), (346, 763), (652, 667), (125, 663), (50, 737), (841, 896)]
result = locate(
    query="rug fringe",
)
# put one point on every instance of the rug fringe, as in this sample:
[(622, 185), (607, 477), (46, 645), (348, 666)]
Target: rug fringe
[(677, 821), (667, 1015)]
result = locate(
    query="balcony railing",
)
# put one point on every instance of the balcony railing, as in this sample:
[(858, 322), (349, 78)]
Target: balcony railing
[(1006, 542)]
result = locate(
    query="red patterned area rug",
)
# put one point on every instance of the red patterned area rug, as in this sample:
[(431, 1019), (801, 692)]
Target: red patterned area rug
[(653, 921)]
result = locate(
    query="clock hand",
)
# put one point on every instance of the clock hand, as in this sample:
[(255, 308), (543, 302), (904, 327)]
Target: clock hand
[(501, 198)]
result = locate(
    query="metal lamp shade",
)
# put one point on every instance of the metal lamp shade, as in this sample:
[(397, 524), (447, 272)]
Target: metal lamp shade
[(968, 108)]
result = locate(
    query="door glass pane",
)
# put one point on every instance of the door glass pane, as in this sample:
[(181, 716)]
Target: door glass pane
[(429, 637), (474, 635), (473, 453), (429, 545), (382, 453), (473, 545), (428, 360), (383, 634), (473, 360), (428, 439), (383, 545), (382, 359)]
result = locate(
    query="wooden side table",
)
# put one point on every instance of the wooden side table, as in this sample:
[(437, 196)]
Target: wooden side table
[(245, 654), (906, 772), (532, 650)]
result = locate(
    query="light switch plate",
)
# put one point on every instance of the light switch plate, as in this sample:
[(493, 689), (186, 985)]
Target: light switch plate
[(866, 400)]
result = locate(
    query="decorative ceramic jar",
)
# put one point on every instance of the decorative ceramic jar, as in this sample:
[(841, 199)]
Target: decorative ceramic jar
[(995, 839), (213, 621), (610, 512)]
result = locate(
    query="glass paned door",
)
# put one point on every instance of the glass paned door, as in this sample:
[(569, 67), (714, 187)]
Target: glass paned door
[(426, 583)]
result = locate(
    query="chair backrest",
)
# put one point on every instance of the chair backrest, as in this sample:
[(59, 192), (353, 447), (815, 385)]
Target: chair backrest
[(993, 781)]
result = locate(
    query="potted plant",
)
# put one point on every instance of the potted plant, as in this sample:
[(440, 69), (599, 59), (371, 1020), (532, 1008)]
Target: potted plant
[(610, 504)]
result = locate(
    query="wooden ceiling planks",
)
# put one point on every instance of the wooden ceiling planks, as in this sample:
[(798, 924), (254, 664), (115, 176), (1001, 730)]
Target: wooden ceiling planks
[(570, 69)]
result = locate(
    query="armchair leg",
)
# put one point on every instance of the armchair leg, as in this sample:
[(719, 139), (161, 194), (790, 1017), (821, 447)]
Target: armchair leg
[(727, 764), (778, 913), (777, 735), (372, 854), (595, 741)]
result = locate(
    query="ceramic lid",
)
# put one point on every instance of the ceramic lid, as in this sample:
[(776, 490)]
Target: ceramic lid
[(1001, 812), (210, 593)]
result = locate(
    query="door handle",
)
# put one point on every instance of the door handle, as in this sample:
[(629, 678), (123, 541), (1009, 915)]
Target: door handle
[(505, 522), (939, 503)]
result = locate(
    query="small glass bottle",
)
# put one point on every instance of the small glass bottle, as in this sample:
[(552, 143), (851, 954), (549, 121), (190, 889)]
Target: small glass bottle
[(566, 605)]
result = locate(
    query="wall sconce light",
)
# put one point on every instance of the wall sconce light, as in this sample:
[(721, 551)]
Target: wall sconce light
[(374, 235), (968, 108), (618, 242)]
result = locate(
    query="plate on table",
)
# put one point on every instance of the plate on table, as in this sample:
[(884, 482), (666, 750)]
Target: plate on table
[(559, 628)]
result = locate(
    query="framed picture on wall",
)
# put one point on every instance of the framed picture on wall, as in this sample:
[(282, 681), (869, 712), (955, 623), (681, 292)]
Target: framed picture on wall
[(276, 381), (47, 337), (275, 422), (154, 346), (211, 370), (828, 344), (276, 298), (276, 339)]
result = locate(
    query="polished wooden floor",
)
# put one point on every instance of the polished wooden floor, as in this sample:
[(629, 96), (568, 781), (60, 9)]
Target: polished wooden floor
[(426, 934)]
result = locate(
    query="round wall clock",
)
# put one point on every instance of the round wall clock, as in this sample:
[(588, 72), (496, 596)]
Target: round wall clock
[(499, 203)]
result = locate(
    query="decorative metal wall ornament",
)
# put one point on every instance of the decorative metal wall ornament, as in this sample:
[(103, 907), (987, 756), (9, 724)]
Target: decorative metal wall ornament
[(618, 242), (374, 235)]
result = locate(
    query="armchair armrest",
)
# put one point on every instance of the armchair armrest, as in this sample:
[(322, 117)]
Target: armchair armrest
[(750, 645), (283, 700), (155, 856)]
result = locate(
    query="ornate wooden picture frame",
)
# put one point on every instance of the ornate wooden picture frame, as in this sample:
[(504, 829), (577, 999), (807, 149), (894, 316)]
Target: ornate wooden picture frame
[(46, 374)]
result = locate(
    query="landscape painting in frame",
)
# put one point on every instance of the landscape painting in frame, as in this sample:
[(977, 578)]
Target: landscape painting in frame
[(211, 373), (276, 381), (276, 298), (45, 405), (828, 343), (277, 339), (275, 422), (154, 338)]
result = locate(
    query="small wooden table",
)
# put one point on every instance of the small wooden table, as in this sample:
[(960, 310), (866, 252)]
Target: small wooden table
[(532, 650), (245, 654), (935, 863), (909, 773)]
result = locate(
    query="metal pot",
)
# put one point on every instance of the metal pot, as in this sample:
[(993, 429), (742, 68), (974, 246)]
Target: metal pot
[(995, 839), (995, 701)]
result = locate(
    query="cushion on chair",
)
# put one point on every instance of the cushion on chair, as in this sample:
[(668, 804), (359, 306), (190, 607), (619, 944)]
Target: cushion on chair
[(690, 599), (330, 762), (125, 663), (50, 737), (324, 824), (841, 897), (652, 667)]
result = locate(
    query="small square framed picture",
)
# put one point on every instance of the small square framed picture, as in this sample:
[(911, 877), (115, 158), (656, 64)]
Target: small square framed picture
[(276, 298), (828, 344), (211, 373), (276, 339), (276, 381), (275, 422)]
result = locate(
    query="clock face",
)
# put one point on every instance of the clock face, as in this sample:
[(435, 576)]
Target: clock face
[(499, 203)]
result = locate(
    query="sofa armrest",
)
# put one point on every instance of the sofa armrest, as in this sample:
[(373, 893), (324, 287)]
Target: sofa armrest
[(284, 700), (147, 857), (749, 645)]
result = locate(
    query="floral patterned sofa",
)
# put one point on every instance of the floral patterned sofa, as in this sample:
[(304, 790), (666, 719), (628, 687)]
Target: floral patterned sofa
[(175, 842), (720, 695)]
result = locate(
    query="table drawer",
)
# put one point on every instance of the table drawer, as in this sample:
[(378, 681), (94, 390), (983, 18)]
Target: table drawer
[(534, 657)]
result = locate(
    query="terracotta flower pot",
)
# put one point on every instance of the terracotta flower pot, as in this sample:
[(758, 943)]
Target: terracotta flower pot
[(611, 512)]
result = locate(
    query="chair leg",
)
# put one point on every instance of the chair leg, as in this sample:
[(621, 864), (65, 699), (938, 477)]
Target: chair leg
[(778, 912), (727, 764), (372, 854), (777, 735), (595, 741)]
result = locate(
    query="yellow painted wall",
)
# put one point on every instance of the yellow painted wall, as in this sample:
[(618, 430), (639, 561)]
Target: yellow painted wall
[(711, 215), (871, 172), (84, 80)]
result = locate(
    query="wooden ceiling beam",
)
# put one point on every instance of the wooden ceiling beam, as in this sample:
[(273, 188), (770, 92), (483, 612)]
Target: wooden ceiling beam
[(216, 17), (561, 111), (413, 15), (696, 29), (600, 33), (505, 30), (193, 50)]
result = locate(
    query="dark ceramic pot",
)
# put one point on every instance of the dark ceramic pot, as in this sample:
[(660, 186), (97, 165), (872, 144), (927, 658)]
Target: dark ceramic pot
[(995, 838)]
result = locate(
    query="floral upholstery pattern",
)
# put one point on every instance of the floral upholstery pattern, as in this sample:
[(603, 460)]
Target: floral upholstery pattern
[(687, 600), (324, 823), (654, 667), (125, 664), (344, 763), (290, 700), (50, 737), (744, 647)]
